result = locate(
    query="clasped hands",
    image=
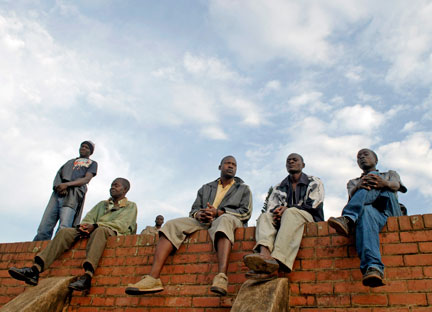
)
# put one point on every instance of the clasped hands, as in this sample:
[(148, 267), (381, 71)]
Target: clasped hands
[(86, 229), (208, 214), (372, 181)]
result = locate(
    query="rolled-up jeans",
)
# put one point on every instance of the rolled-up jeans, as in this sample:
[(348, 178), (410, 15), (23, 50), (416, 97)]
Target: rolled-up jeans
[(54, 212), (369, 209)]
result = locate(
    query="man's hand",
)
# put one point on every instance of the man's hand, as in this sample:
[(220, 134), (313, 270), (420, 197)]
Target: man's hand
[(277, 213), (373, 181), (61, 188), (208, 214), (86, 229)]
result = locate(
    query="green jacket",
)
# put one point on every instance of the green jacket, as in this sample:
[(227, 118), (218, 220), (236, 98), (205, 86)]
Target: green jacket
[(121, 219)]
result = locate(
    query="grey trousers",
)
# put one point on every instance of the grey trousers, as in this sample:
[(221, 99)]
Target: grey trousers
[(176, 230), (284, 242), (64, 240)]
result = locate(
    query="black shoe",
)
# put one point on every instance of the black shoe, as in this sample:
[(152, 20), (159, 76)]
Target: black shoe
[(82, 283), (340, 224), (373, 277), (28, 275)]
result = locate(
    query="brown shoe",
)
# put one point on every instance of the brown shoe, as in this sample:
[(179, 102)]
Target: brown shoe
[(220, 284), (340, 224), (373, 277), (261, 264), (262, 277)]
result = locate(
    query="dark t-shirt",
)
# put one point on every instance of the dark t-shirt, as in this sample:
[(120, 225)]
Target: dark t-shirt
[(81, 166)]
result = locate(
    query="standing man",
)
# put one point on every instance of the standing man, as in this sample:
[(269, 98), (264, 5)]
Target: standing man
[(115, 216), (152, 230), (296, 200), (221, 206), (69, 189), (372, 199)]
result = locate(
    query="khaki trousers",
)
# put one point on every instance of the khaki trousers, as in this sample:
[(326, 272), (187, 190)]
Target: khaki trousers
[(284, 242), (66, 237), (176, 230)]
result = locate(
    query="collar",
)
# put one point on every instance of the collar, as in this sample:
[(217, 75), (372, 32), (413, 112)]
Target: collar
[(121, 204), (230, 184), (303, 180)]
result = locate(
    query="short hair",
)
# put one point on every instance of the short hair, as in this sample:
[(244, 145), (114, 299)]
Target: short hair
[(124, 182), (159, 216), (229, 156), (301, 157), (373, 153)]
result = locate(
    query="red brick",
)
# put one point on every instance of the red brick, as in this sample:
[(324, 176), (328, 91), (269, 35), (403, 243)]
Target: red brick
[(127, 301), (405, 223), (107, 280), (392, 224), (388, 238), (316, 288), (182, 279), (302, 276), (151, 300), (347, 263), (239, 234), (311, 229), (306, 253), (197, 268), (200, 247), (316, 264), (349, 287), (420, 285), (315, 241), (417, 222), (333, 301), (425, 247), (103, 301), (417, 260), (205, 301), (400, 249), (249, 233), (407, 298), (369, 300), (322, 228), (403, 273), (301, 301), (391, 287), (331, 251), (427, 219), (333, 275), (178, 301), (391, 261), (416, 236)]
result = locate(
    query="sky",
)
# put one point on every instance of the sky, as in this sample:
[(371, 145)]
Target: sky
[(165, 89)]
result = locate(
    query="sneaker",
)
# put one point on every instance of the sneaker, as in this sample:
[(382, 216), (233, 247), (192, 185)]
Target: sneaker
[(340, 224), (259, 263), (147, 285), (373, 277), (82, 283), (28, 275), (220, 284)]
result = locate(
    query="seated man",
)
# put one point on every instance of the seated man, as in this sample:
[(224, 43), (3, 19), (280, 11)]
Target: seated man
[(153, 230), (372, 198), (116, 216), (69, 190), (221, 206), (298, 199)]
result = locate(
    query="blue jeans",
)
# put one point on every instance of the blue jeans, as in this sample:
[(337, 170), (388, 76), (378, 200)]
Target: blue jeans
[(370, 210), (53, 213)]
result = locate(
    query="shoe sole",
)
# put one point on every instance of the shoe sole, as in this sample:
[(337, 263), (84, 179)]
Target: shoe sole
[(258, 264), (373, 281), (262, 277), (218, 290), (78, 289), (137, 291), (338, 227), (18, 276)]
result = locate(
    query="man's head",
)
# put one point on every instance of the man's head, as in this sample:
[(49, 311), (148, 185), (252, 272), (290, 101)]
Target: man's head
[(367, 159), (294, 163), (159, 220), (86, 149), (228, 167), (119, 188)]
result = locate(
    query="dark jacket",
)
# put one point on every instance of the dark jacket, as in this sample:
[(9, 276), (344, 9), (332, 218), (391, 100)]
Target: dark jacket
[(237, 201), (309, 196)]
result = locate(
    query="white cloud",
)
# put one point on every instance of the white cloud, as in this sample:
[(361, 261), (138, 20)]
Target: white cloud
[(358, 118), (214, 132), (309, 101)]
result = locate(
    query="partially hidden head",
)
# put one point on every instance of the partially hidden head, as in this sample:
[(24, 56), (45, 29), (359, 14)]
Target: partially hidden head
[(294, 163), (159, 220), (86, 148), (119, 188), (228, 167), (367, 159)]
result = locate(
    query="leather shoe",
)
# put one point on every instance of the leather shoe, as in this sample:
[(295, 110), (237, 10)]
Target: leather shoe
[(28, 275), (259, 263), (82, 283), (340, 224), (373, 277)]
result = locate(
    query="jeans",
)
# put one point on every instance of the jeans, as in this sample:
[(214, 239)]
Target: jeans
[(53, 213), (370, 210)]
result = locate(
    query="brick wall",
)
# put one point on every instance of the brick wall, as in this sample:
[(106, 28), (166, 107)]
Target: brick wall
[(326, 276)]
